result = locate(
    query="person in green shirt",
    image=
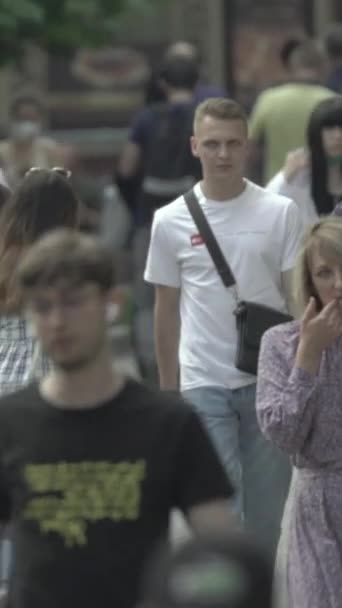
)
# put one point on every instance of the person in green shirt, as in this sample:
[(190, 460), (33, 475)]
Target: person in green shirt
[(280, 115)]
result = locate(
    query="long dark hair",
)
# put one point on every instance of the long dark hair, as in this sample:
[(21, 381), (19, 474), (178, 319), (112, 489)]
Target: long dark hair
[(43, 201), (327, 114)]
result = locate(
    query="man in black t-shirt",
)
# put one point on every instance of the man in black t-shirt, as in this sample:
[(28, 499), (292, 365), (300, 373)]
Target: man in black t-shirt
[(91, 464)]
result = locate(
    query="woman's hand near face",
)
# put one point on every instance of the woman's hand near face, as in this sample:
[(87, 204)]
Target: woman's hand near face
[(295, 161), (318, 330)]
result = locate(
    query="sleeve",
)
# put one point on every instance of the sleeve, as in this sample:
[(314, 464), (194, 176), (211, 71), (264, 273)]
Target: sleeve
[(284, 406), (292, 237), (258, 116), (202, 478), (279, 185), (162, 266), (141, 128)]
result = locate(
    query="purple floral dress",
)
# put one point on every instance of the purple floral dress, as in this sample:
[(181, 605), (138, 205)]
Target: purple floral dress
[(302, 414)]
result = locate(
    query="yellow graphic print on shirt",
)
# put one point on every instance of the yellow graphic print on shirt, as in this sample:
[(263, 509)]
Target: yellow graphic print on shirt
[(68, 496)]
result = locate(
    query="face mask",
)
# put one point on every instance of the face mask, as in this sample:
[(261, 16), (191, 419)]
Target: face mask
[(25, 129)]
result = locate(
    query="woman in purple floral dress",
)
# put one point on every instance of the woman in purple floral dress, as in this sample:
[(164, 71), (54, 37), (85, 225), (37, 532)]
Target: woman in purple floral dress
[(299, 406)]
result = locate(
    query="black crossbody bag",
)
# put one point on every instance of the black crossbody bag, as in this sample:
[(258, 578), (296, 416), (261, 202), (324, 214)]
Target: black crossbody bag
[(252, 319)]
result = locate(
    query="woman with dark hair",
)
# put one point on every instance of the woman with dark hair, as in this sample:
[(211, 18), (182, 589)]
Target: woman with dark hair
[(43, 201), (313, 177)]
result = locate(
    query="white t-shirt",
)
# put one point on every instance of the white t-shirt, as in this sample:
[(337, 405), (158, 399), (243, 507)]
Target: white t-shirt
[(298, 189), (259, 233)]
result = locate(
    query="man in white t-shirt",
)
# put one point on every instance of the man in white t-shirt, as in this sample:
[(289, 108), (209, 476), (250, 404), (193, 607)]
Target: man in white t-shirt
[(259, 233)]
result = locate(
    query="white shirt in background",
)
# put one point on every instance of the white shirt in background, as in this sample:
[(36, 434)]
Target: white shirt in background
[(259, 233), (298, 189)]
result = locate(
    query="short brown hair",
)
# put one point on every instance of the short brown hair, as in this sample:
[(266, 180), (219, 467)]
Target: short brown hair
[(220, 108), (66, 255)]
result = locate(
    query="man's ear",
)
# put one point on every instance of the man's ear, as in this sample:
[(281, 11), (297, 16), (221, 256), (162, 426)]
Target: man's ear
[(193, 143)]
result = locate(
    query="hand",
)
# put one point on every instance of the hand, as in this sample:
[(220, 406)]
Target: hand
[(295, 161), (320, 329)]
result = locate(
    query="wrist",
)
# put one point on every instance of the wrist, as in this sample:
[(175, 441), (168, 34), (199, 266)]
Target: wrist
[(308, 357)]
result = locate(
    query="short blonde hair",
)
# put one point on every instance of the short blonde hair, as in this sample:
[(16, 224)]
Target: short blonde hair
[(220, 108), (326, 235)]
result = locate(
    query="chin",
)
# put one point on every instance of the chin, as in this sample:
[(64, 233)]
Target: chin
[(71, 365)]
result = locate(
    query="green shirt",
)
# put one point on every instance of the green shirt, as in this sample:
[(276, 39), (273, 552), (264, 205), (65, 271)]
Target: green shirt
[(280, 117)]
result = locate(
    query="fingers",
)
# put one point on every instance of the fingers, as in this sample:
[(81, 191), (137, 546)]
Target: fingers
[(333, 306), (310, 311), (332, 315)]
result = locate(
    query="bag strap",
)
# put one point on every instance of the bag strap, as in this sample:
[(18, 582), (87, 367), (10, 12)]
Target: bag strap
[(208, 237)]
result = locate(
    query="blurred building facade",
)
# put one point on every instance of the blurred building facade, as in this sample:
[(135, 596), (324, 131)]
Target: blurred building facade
[(92, 97)]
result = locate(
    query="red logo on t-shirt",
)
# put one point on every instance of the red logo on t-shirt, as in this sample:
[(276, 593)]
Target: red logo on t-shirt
[(196, 239)]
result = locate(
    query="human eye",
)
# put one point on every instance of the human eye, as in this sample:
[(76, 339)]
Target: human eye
[(72, 299), (211, 144), (324, 273), (41, 306)]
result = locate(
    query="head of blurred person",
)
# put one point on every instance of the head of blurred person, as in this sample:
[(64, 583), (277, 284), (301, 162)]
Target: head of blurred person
[(210, 572), (220, 141), (179, 77), (43, 201), (308, 62), (67, 282), (318, 270), (286, 51), (333, 44), (324, 140), (26, 118), (180, 50), (183, 50)]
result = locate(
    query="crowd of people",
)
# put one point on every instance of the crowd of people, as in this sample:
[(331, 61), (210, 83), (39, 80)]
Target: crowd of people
[(237, 326)]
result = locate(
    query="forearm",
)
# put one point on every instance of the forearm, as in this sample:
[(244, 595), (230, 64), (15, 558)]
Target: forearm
[(285, 408), (216, 516), (167, 333), (307, 359)]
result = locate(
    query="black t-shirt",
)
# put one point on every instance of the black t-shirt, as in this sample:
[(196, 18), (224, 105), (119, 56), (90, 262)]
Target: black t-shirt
[(90, 491)]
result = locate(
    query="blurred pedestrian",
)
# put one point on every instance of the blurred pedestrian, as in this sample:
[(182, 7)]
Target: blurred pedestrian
[(312, 176), (160, 145), (258, 233), (280, 115), (26, 145), (43, 201), (332, 41), (181, 49), (93, 463), (230, 571), (299, 410)]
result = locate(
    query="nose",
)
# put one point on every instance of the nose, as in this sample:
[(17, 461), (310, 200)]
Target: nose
[(56, 317), (337, 131), (338, 282), (223, 151)]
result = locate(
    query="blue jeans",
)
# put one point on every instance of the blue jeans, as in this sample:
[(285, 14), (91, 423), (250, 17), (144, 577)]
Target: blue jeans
[(259, 471)]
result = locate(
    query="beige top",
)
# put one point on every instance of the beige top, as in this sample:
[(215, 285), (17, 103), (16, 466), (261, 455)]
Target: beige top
[(44, 152)]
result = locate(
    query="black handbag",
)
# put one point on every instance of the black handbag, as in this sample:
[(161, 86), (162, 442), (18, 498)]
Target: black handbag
[(252, 319)]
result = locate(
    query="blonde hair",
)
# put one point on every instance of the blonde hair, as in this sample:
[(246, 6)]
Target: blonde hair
[(326, 235), (220, 108)]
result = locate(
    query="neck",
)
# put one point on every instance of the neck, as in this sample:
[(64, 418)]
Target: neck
[(306, 76), (180, 96), (22, 144), (222, 190), (83, 388), (335, 180)]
